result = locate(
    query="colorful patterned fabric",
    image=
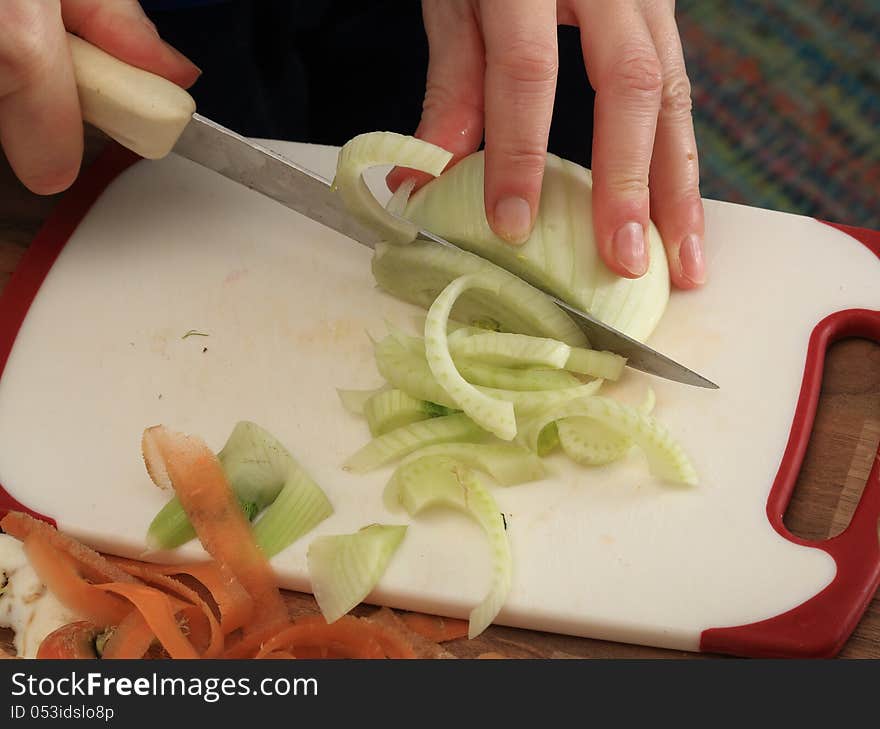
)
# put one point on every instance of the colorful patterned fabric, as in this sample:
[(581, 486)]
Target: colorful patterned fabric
[(787, 103)]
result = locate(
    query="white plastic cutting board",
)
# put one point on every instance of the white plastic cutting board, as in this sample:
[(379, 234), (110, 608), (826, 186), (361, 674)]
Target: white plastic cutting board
[(603, 552)]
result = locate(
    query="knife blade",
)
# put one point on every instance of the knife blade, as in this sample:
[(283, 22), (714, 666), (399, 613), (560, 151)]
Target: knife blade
[(152, 116)]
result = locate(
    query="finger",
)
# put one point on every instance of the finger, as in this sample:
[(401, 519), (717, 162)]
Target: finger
[(675, 172), (40, 123), (521, 68), (452, 114), (121, 28), (622, 64)]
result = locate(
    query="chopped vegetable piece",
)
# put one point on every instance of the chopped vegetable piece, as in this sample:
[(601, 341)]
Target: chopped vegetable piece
[(508, 464), (436, 628), (379, 148), (510, 350), (409, 372), (205, 632), (91, 564), (298, 509), (60, 574), (605, 365), (213, 510), (259, 469), (71, 641), (666, 458), (448, 482), (496, 376), (527, 402), (390, 409), (586, 441), (496, 416), (548, 440), (397, 204), (508, 378), (132, 638), (159, 612), (405, 440), (233, 602), (345, 568)]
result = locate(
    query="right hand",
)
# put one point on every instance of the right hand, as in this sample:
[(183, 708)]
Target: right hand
[(41, 129)]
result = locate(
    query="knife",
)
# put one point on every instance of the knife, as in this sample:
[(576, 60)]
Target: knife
[(152, 117)]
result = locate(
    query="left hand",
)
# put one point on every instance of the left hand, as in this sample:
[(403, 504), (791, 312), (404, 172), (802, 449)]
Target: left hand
[(493, 64)]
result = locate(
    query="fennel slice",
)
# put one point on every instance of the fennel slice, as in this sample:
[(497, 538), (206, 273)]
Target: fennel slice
[(345, 568), (496, 416), (434, 481)]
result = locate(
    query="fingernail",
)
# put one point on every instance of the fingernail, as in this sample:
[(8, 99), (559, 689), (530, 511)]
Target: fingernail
[(690, 255), (628, 247), (513, 220), (151, 26)]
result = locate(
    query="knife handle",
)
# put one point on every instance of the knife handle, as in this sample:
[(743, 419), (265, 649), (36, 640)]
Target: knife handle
[(140, 110)]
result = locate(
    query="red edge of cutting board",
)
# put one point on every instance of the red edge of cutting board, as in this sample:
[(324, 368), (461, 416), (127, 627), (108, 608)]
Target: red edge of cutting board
[(817, 628)]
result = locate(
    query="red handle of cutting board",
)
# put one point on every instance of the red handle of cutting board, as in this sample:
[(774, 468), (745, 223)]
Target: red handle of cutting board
[(819, 627)]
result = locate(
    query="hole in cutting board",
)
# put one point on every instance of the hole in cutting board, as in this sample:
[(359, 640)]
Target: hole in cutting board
[(843, 444)]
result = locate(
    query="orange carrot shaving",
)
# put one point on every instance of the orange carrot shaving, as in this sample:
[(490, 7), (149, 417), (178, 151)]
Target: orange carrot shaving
[(132, 638), (159, 612), (421, 646), (234, 604), (247, 646), (435, 628), (347, 632), (204, 628), (220, 524), (93, 565), (59, 573), (74, 640)]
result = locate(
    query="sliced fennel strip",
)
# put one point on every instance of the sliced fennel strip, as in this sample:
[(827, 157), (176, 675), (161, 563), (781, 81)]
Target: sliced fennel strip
[(345, 568), (665, 456), (392, 409), (403, 441), (441, 481), (408, 371), (496, 416), (379, 148), (509, 350)]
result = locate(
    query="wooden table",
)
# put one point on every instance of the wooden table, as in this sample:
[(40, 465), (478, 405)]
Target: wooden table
[(840, 456)]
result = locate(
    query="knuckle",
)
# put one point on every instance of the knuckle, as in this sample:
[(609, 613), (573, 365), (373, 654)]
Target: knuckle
[(628, 185), (523, 163), (527, 60), (676, 98), (638, 69)]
